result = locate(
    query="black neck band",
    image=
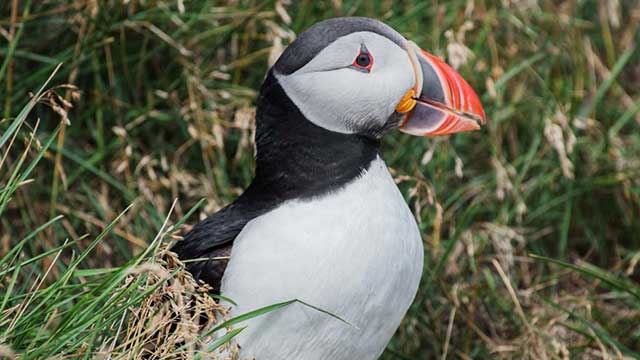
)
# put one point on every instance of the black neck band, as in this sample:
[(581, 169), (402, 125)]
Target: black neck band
[(298, 159)]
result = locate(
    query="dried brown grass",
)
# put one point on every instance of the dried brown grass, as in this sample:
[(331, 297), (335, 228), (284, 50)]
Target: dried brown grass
[(173, 322)]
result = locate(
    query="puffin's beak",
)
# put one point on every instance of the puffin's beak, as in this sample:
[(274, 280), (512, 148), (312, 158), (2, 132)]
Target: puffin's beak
[(441, 102)]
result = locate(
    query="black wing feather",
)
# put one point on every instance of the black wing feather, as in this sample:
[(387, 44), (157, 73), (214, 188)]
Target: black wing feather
[(211, 240)]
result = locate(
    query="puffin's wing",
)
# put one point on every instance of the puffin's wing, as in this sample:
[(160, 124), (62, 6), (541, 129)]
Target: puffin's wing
[(207, 247)]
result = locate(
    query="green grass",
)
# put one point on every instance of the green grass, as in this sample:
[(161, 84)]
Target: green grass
[(531, 225)]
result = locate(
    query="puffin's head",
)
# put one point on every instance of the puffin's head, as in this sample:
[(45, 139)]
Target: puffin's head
[(358, 75)]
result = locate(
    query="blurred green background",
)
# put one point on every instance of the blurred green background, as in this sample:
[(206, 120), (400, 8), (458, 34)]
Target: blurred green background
[(531, 226)]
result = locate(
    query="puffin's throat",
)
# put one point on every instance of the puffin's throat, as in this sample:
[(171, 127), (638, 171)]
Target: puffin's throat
[(298, 159)]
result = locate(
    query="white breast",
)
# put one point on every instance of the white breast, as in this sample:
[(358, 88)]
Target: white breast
[(355, 253)]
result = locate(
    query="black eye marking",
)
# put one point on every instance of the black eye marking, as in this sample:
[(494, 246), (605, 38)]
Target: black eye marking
[(363, 61)]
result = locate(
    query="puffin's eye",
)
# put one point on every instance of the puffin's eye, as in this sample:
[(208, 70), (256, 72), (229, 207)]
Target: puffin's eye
[(363, 61)]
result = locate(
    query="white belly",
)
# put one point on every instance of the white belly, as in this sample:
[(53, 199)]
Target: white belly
[(356, 253)]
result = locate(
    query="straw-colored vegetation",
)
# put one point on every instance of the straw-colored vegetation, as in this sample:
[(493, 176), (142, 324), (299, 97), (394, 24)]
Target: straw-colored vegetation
[(531, 226)]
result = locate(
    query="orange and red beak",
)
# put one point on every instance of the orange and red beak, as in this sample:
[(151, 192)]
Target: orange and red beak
[(441, 102)]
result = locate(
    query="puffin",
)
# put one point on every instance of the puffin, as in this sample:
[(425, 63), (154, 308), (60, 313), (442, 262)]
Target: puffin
[(323, 221)]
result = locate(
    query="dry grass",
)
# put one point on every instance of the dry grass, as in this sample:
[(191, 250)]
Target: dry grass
[(170, 321)]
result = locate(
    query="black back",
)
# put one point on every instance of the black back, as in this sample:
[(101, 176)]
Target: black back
[(295, 160)]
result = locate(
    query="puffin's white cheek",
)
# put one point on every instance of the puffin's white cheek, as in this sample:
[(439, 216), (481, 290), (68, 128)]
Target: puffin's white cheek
[(346, 100), (389, 87), (356, 100), (328, 99), (398, 77)]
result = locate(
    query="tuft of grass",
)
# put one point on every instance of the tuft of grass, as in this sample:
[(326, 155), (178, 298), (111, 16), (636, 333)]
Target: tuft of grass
[(147, 307), (530, 226)]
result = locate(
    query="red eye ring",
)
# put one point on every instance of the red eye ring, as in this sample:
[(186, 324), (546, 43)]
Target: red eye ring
[(363, 61)]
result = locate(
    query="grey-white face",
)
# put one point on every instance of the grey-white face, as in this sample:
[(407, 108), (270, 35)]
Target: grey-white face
[(321, 74), (336, 93)]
